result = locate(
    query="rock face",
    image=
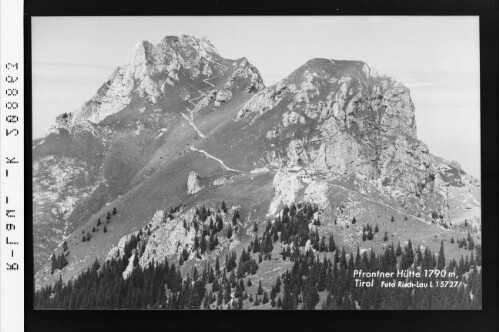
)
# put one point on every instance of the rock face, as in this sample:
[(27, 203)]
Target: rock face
[(343, 117), (286, 187), (317, 193), (58, 185), (152, 70), (193, 183), (169, 239)]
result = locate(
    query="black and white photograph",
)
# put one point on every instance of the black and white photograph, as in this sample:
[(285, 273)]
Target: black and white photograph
[(256, 163)]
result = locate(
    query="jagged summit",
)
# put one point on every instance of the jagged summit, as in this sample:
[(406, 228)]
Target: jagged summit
[(321, 68), (202, 46), (187, 47), (155, 72)]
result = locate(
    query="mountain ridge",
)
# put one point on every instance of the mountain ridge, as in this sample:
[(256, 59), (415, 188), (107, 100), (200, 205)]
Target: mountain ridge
[(179, 107)]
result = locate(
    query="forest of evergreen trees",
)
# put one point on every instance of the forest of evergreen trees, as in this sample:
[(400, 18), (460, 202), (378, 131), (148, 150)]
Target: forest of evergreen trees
[(312, 282)]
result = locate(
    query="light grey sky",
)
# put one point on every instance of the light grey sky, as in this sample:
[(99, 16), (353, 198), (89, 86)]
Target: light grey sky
[(436, 57)]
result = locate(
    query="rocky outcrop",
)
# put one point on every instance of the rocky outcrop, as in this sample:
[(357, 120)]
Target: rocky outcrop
[(220, 181), (262, 102), (193, 183), (286, 188), (222, 96), (119, 250), (245, 70), (290, 118), (317, 193), (130, 266), (170, 238)]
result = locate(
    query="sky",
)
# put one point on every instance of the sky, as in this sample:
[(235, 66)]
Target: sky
[(436, 57)]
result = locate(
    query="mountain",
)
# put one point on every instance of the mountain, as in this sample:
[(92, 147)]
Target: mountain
[(179, 128), (133, 126)]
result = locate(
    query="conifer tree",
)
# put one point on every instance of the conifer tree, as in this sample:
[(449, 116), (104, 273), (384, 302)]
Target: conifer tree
[(230, 261), (331, 244), (418, 258), (336, 258), (409, 252), (215, 286), (358, 259), (217, 266), (240, 303), (241, 267), (278, 284), (398, 251), (181, 260), (202, 244), (471, 244), (260, 289), (370, 234), (478, 259), (196, 243), (114, 211), (441, 257), (265, 299), (235, 217), (53, 264), (272, 293), (63, 262), (343, 259)]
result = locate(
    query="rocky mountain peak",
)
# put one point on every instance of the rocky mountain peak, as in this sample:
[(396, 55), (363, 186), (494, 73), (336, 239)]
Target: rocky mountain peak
[(153, 70), (322, 69), (189, 45), (343, 117)]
